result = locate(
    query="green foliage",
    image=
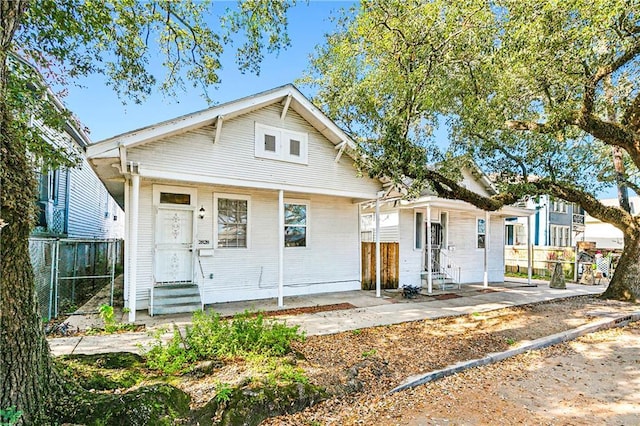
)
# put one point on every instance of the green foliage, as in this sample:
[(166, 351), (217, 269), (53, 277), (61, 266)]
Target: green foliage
[(106, 313), (369, 353), (120, 370), (210, 338), (110, 325), (9, 416), (520, 88), (510, 341), (223, 392)]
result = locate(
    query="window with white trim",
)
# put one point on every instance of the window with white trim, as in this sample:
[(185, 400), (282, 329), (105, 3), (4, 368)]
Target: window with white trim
[(558, 206), (481, 233), (419, 229), (295, 224), (559, 236), (281, 144), (367, 227), (232, 220)]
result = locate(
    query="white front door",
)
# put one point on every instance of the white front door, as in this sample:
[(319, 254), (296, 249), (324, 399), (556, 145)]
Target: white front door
[(174, 245)]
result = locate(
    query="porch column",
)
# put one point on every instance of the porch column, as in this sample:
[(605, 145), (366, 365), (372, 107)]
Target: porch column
[(280, 248), (133, 243), (378, 268), (429, 253), (529, 250), (487, 225), (127, 230)]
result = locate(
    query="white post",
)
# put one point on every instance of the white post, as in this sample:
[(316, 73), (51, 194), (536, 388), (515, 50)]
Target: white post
[(378, 279), (127, 230), (487, 225), (280, 248), (133, 244), (529, 250), (429, 254)]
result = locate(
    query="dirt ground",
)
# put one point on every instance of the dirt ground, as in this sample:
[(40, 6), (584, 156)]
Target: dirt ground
[(593, 380)]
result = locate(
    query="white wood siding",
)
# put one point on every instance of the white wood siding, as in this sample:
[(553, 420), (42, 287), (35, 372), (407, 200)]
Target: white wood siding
[(410, 259), (461, 232), (330, 262), (233, 156)]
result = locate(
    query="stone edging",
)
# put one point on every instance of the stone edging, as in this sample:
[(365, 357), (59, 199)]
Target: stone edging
[(540, 343)]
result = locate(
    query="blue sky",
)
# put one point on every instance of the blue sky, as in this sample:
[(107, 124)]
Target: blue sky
[(99, 109)]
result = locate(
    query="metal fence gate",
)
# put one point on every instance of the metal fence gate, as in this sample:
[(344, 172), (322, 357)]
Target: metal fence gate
[(68, 272)]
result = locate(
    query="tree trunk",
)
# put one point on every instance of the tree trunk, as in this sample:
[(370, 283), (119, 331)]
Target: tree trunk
[(27, 377), (625, 283)]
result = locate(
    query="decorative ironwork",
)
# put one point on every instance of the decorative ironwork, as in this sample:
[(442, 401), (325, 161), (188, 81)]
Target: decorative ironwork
[(176, 225)]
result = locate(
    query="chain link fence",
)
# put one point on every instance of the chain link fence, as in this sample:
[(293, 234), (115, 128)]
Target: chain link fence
[(68, 272)]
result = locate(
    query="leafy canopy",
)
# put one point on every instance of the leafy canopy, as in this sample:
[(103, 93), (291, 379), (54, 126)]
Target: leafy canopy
[(532, 91)]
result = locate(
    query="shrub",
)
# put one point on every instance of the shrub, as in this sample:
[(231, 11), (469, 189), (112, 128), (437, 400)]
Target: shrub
[(212, 338)]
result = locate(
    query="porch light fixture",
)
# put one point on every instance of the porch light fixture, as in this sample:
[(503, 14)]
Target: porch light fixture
[(201, 212)]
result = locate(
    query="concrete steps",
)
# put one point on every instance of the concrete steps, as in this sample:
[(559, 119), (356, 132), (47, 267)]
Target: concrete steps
[(175, 299)]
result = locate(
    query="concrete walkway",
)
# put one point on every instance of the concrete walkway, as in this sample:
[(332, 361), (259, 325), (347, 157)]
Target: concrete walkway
[(369, 311)]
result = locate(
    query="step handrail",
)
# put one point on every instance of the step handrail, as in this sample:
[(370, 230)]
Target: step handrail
[(449, 268)]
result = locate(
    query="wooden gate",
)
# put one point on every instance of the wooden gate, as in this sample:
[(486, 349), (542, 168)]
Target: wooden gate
[(389, 268)]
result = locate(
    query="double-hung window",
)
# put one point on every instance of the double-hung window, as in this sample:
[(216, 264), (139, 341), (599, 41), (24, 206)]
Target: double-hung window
[(296, 224), (232, 216)]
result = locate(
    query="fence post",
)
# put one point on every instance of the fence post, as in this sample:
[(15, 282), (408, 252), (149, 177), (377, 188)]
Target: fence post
[(112, 245), (51, 279)]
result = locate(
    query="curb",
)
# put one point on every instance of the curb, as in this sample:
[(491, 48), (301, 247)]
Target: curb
[(540, 343)]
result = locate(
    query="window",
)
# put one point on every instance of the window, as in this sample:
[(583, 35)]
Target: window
[(295, 224), (481, 232), (559, 236), (419, 227), (558, 206), (173, 198), (270, 143), (367, 227), (280, 144), (294, 147), (232, 213)]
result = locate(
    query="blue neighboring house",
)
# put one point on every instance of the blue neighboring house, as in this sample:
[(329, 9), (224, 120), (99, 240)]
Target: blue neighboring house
[(556, 223), (73, 202)]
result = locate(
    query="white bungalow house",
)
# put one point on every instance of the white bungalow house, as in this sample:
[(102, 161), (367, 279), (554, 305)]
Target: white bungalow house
[(443, 241), (256, 198), (259, 198)]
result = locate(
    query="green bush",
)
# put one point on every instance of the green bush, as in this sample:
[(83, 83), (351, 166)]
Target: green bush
[(9, 416), (212, 338)]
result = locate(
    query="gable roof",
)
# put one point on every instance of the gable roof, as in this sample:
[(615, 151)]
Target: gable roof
[(288, 95)]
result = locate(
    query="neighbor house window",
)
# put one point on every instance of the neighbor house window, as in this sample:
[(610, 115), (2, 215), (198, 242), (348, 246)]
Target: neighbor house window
[(232, 214), (280, 144), (419, 229), (559, 236), (558, 206), (481, 232), (295, 224)]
